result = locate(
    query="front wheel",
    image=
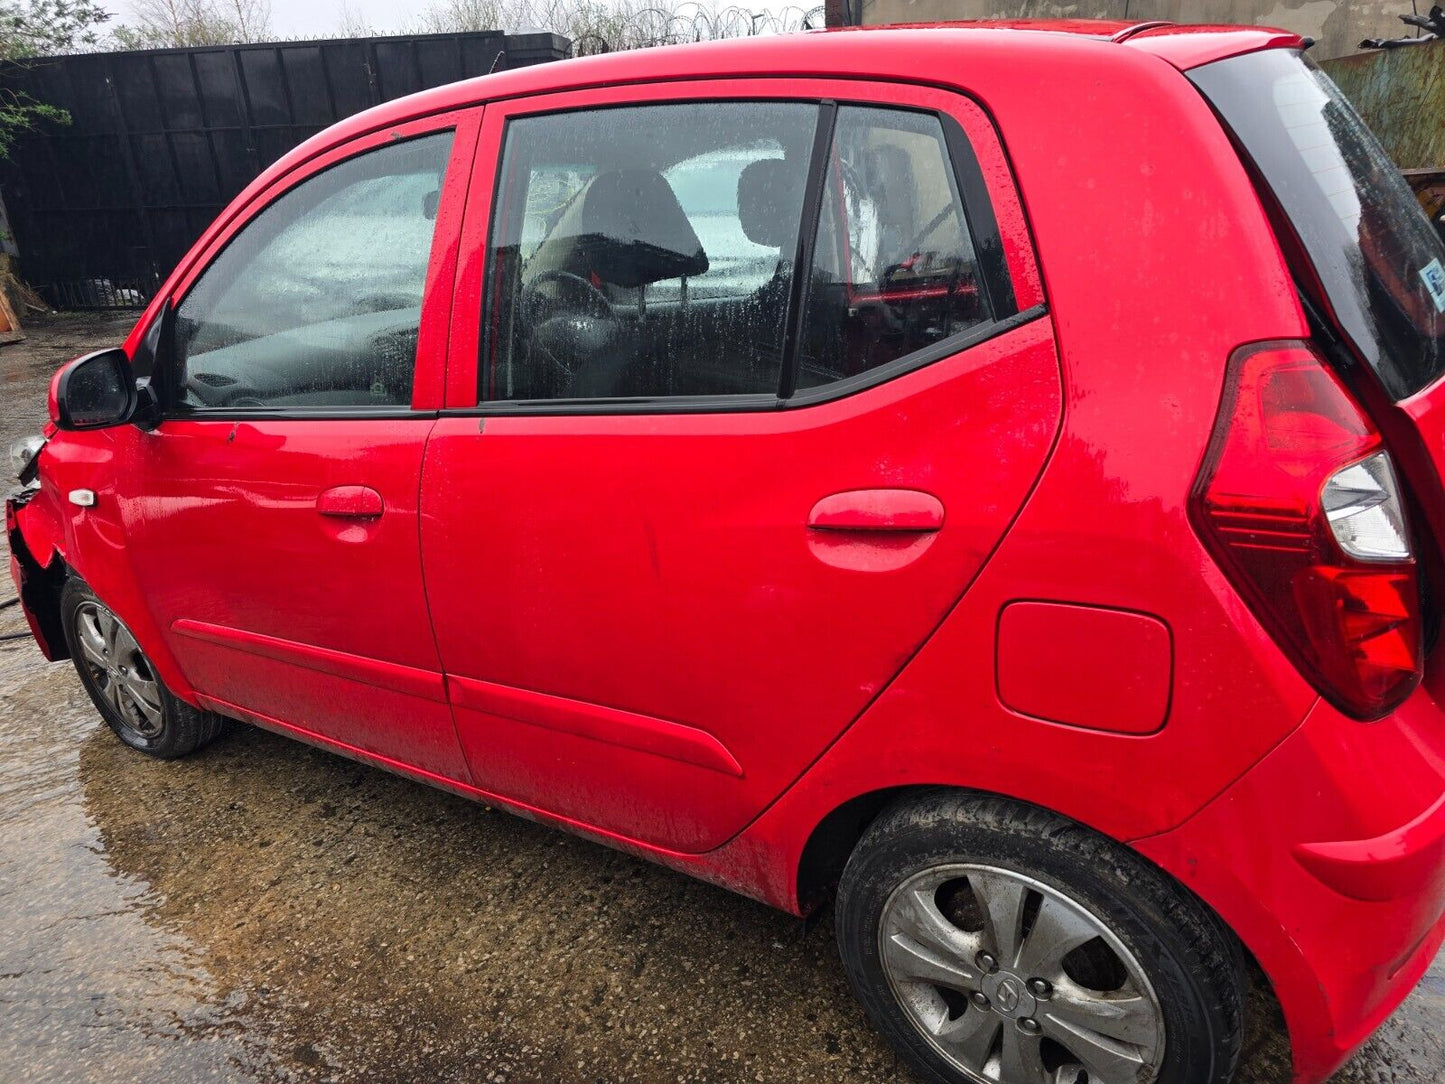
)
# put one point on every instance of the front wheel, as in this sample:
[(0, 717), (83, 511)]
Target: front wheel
[(123, 683), (994, 943)]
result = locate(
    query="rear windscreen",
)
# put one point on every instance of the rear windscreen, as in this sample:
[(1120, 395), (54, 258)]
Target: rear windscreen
[(1378, 259)]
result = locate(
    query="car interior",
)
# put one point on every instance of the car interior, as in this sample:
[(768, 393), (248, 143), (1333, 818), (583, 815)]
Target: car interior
[(640, 252), (622, 297), (612, 302), (317, 301)]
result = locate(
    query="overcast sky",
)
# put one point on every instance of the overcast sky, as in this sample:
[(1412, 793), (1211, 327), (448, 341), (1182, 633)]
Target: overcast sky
[(315, 18)]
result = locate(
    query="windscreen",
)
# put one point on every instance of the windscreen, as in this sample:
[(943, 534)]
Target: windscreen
[(1378, 259)]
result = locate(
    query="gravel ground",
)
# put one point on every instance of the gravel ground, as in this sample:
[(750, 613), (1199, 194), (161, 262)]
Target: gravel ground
[(263, 911)]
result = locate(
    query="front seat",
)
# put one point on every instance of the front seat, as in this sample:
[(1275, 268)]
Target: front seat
[(769, 201), (633, 232), (770, 198), (626, 230)]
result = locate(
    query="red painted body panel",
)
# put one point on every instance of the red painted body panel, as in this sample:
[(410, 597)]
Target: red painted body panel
[(665, 586), (17, 577), (1085, 666), (43, 526), (258, 583), (414, 681), (1343, 791), (627, 628), (1189, 47), (92, 542), (645, 734)]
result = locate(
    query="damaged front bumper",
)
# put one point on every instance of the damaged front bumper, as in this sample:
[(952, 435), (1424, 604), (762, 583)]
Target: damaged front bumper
[(36, 586)]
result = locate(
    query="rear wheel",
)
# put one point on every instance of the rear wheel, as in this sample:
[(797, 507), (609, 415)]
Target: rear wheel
[(123, 684), (994, 943)]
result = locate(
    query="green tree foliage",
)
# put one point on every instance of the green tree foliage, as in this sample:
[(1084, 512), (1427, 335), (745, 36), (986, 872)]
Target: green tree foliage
[(37, 28)]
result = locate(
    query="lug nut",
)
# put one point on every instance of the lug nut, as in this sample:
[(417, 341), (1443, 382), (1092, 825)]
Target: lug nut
[(987, 963), (1040, 988), (981, 1000), (1029, 1025)]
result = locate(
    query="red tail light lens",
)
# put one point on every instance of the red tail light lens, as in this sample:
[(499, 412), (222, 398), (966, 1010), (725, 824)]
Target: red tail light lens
[(1297, 501)]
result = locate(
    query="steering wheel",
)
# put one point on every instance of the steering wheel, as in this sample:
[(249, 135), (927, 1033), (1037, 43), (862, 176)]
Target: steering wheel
[(583, 288), (568, 336)]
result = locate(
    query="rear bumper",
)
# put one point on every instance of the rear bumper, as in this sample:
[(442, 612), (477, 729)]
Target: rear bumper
[(1328, 860)]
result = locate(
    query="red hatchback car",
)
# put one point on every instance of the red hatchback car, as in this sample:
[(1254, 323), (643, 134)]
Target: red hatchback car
[(993, 473)]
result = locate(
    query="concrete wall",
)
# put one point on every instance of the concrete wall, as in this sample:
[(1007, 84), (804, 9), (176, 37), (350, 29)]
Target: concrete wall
[(1337, 25)]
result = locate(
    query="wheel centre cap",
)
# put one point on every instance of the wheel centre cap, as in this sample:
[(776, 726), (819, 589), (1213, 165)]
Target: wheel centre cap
[(1009, 995)]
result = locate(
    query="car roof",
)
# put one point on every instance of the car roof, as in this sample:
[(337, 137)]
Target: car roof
[(857, 52), (827, 52)]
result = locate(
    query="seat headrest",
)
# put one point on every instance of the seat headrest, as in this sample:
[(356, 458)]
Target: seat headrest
[(769, 199), (632, 231)]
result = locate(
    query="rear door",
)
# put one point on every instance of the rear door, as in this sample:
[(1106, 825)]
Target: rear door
[(747, 380)]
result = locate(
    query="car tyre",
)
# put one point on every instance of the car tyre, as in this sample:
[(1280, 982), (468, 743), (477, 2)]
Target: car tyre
[(123, 683), (995, 943)]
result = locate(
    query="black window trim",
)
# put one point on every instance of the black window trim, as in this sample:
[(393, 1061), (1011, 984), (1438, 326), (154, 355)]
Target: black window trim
[(994, 276), (919, 359), (170, 408), (805, 250), (756, 403), (301, 414), (996, 279)]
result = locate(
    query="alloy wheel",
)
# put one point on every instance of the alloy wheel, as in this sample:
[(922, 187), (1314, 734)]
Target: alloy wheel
[(120, 671), (1013, 982)]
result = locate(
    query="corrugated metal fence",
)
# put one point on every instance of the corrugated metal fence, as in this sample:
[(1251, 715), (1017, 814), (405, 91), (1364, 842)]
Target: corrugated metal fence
[(161, 140)]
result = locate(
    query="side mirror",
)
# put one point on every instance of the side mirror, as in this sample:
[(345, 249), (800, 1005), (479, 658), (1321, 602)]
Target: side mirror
[(96, 391)]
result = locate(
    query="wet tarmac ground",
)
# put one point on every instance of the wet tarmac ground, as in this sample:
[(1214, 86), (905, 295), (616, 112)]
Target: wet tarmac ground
[(264, 911)]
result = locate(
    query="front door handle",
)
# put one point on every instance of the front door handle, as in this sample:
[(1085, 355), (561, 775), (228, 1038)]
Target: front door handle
[(889, 510), (350, 502)]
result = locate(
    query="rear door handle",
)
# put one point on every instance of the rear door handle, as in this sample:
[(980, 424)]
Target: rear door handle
[(894, 510), (350, 502)]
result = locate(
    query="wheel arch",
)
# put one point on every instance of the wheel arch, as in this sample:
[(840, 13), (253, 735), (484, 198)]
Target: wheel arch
[(835, 837)]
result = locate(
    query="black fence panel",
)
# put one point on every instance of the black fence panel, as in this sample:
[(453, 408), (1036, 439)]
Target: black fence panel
[(161, 140)]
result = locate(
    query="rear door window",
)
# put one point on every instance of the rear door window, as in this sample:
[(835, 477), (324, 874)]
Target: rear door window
[(753, 250), (894, 271), (644, 252), (1379, 260), (707, 187)]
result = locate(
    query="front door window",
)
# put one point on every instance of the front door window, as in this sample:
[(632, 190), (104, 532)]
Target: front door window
[(316, 303)]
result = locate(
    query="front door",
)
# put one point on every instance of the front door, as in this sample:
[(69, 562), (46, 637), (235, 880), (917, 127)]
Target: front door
[(715, 486), (272, 516)]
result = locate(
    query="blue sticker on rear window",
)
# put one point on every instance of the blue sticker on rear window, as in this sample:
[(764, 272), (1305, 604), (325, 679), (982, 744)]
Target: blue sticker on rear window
[(1433, 276)]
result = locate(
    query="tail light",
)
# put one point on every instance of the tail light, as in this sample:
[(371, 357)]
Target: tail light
[(1297, 501)]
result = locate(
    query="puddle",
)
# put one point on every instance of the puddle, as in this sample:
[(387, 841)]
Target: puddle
[(90, 987)]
